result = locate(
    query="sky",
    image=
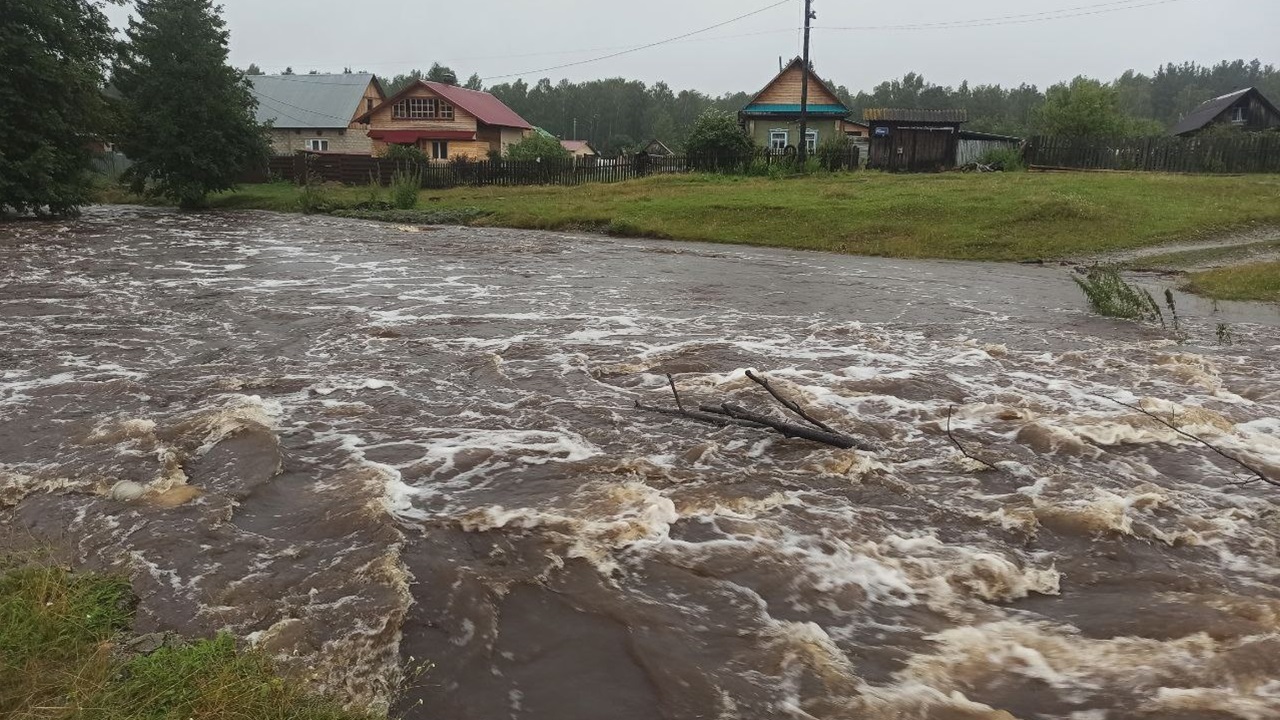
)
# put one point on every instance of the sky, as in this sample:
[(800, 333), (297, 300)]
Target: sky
[(1008, 41)]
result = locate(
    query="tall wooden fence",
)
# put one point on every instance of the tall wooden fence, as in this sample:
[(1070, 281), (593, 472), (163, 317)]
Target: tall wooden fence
[(365, 170), (1246, 153)]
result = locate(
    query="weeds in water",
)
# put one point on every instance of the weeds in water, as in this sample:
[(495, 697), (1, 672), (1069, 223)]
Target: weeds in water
[(1173, 307), (1110, 296), (1226, 336), (405, 186)]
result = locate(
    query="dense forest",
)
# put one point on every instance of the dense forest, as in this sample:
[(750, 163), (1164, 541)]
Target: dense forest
[(617, 114)]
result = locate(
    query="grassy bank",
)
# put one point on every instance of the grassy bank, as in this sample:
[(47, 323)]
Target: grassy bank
[(65, 653), (1254, 281), (1013, 216)]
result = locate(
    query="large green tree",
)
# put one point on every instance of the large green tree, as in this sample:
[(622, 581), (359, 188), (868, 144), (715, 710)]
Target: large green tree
[(1087, 108), (188, 117), (717, 133), (53, 54)]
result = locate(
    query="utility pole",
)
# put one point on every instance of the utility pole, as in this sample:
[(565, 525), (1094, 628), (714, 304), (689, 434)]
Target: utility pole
[(803, 147)]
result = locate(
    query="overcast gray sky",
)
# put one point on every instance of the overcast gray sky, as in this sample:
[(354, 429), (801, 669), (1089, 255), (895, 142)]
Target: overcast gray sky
[(504, 37)]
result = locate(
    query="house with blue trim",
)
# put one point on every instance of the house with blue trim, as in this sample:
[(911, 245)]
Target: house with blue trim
[(772, 118)]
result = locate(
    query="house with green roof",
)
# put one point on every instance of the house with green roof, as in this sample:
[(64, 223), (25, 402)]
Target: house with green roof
[(772, 118)]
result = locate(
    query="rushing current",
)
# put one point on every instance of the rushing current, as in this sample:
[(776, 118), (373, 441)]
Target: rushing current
[(407, 461)]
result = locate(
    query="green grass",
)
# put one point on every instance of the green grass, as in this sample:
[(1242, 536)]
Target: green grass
[(59, 660), (1256, 281), (1205, 257), (988, 216)]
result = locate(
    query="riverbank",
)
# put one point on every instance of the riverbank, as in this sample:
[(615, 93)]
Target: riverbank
[(66, 651), (998, 216)]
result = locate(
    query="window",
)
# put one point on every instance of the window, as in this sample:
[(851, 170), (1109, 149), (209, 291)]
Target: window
[(317, 145), (439, 150), (422, 109), (1238, 115), (368, 104), (811, 141), (777, 140)]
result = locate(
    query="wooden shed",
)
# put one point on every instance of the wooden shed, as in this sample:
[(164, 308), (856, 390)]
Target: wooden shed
[(911, 140)]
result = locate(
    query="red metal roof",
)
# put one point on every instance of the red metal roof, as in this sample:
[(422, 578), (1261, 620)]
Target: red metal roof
[(485, 107), (410, 136)]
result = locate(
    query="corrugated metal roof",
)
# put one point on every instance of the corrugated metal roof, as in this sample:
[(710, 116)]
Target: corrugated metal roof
[(485, 107), (1205, 114), (914, 115), (309, 101)]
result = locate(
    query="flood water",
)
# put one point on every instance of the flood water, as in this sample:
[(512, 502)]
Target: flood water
[(367, 448)]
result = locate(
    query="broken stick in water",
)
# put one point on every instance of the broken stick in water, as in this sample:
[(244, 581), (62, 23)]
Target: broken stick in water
[(1257, 473), (955, 441), (791, 405)]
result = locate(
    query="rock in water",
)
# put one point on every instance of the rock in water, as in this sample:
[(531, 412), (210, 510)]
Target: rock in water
[(127, 491)]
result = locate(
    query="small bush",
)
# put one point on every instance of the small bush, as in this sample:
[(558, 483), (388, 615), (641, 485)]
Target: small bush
[(1007, 159), (315, 198), (406, 182), (621, 227), (403, 154), (1110, 296), (538, 148), (717, 137), (835, 154)]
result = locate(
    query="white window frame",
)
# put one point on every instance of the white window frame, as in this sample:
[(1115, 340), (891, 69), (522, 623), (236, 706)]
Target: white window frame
[(812, 141), (318, 144), (421, 108), (439, 149), (1239, 115), (779, 135)]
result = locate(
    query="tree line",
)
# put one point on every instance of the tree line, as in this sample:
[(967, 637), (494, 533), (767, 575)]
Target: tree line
[(617, 114), (173, 105)]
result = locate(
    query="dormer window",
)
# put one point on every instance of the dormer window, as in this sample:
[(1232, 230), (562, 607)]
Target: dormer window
[(422, 109)]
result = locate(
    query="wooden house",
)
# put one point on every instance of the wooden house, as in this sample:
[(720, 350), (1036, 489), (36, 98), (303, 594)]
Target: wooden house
[(445, 122), (580, 149), (772, 118), (657, 148), (914, 140), (317, 113), (1247, 110)]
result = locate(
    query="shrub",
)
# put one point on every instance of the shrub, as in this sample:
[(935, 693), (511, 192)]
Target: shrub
[(315, 198), (403, 154), (538, 147), (718, 140), (1110, 296), (406, 182), (1008, 159), (834, 154)]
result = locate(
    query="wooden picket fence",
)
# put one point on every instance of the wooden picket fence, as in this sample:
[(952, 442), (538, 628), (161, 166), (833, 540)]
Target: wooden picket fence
[(1246, 153), (364, 170)]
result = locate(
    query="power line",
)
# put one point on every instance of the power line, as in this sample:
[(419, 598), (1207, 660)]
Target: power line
[(642, 47), (1045, 16), (305, 77), (345, 121)]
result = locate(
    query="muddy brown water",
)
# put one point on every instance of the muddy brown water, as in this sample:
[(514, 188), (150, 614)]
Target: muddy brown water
[(367, 448)]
